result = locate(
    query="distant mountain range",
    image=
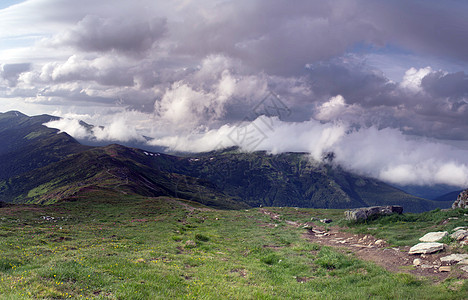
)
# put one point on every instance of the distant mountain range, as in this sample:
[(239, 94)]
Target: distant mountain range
[(41, 165)]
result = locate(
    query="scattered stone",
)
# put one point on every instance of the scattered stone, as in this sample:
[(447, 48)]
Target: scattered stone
[(379, 242), (445, 269), (426, 267), (291, 223), (361, 214), (464, 268), (426, 248), (326, 221), (417, 262), (454, 258), (460, 234), (463, 262), (361, 246), (433, 236), (462, 200)]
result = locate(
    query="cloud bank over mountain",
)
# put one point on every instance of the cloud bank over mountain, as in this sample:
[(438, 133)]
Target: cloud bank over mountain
[(382, 84)]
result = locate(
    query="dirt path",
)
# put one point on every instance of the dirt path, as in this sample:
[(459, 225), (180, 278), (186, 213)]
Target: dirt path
[(368, 248)]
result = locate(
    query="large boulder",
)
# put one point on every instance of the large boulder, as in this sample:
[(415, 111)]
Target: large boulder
[(462, 200), (454, 258), (434, 236), (364, 213), (426, 248)]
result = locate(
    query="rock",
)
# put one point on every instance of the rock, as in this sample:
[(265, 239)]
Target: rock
[(460, 234), (463, 262), (426, 248), (462, 200), (464, 268), (445, 269), (417, 262), (379, 242), (433, 236), (458, 228), (426, 266), (454, 258), (361, 214), (326, 221)]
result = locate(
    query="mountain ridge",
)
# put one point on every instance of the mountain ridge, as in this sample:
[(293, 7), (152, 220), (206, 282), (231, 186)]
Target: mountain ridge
[(44, 165)]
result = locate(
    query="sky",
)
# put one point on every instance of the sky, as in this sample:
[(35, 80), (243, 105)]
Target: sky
[(381, 84)]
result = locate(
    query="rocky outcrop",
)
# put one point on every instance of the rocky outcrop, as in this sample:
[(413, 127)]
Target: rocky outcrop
[(364, 213), (459, 235), (462, 200)]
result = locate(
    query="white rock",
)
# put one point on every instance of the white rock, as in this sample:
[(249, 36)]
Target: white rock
[(417, 262), (425, 248), (454, 258), (379, 242), (445, 269), (433, 236), (463, 262), (426, 267), (458, 228), (459, 234), (464, 268)]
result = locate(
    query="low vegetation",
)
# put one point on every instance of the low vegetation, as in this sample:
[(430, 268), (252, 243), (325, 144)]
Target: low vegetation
[(108, 245), (406, 229)]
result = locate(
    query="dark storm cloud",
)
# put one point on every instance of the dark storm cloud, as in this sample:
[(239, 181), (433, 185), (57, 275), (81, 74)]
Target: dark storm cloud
[(431, 27), (276, 36), (98, 34), (452, 85), (10, 72)]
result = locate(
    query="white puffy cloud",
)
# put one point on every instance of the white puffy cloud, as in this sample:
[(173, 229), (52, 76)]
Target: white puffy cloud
[(331, 109), (70, 126), (413, 78)]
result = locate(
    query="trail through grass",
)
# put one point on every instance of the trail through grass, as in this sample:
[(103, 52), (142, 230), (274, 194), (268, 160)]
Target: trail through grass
[(113, 246)]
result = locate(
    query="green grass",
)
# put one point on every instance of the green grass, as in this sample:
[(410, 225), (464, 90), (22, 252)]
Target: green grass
[(112, 246)]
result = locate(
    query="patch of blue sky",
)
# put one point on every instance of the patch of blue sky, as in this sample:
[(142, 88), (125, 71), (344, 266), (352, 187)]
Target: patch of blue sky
[(8, 3)]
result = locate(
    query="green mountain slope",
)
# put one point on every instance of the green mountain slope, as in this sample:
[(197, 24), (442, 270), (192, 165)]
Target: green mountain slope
[(40, 165), (290, 179), (113, 168), (27, 145)]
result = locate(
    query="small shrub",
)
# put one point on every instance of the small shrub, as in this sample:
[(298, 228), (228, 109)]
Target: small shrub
[(202, 238), (270, 259), (329, 259)]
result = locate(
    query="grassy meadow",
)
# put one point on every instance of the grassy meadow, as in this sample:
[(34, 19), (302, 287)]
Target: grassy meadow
[(115, 246)]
